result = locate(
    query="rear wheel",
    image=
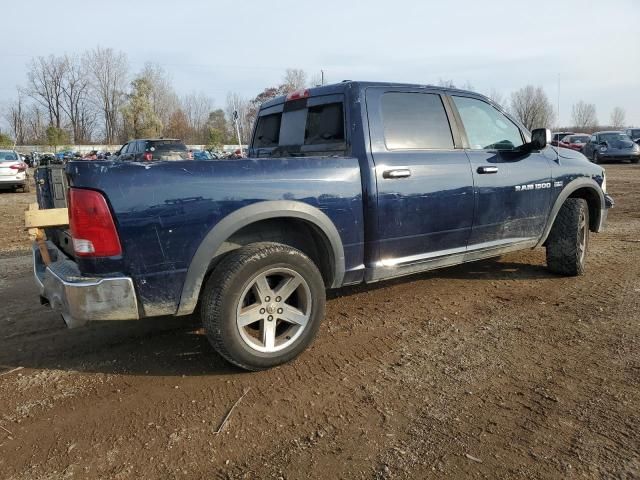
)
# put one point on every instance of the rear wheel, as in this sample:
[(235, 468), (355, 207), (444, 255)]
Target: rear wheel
[(262, 305), (569, 238)]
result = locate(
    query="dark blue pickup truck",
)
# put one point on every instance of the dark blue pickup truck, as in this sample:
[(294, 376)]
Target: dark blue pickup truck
[(347, 183)]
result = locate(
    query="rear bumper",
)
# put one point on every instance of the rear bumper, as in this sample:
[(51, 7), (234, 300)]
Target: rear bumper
[(10, 180), (81, 299)]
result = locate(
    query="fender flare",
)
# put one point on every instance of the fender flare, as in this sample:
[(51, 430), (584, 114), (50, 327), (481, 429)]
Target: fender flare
[(244, 216), (566, 192)]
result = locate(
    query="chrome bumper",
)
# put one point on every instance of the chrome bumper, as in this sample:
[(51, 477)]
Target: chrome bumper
[(81, 299)]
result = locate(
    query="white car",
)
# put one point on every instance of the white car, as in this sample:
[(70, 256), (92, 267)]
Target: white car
[(13, 171)]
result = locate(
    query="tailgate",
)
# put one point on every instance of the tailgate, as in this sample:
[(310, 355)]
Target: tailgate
[(52, 185)]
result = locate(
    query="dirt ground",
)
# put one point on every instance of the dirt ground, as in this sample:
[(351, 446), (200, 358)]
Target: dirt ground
[(496, 369)]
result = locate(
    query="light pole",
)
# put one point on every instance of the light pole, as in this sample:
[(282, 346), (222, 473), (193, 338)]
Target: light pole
[(235, 119)]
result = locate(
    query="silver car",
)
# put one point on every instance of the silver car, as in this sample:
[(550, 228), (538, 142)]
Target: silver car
[(13, 171)]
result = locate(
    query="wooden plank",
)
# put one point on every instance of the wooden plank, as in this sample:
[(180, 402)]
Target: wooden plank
[(51, 217)]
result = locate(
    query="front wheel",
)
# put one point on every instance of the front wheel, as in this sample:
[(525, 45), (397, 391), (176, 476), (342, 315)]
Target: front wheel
[(569, 238), (262, 305)]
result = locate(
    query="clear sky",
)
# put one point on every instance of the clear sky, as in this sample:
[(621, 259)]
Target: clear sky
[(218, 46)]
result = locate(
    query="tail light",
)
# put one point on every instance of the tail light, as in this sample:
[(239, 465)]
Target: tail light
[(147, 156), (21, 167), (92, 229)]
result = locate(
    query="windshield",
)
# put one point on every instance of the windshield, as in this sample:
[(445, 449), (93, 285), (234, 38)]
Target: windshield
[(613, 137), (8, 156)]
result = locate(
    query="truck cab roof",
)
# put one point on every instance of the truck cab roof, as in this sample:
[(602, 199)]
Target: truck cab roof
[(336, 88)]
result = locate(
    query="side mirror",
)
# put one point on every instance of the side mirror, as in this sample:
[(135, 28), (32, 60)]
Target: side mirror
[(540, 138)]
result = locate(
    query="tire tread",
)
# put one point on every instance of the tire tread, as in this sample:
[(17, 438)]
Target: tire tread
[(562, 245)]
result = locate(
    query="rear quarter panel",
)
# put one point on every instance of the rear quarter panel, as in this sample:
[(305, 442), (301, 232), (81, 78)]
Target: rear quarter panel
[(163, 210)]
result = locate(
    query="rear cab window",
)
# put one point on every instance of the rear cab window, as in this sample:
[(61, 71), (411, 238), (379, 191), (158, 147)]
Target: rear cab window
[(312, 126)]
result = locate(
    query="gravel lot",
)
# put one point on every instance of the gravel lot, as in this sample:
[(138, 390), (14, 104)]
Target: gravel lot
[(496, 369)]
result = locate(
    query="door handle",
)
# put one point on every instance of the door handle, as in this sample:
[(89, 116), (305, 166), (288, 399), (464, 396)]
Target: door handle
[(487, 169), (397, 173)]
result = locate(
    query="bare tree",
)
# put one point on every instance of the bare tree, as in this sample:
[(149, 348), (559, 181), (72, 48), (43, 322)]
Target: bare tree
[(468, 86), (36, 124), (108, 79), (618, 117), (15, 116), (446, 83), (45, 79), (75, 95), (294, 79), (497, 97), (197, 108), (584, 116), (532, 107)]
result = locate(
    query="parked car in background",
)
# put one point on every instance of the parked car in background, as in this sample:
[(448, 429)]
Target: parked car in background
[(13, 171), (634, 134), (202, 155), (64, 155), (153, 149), (575, 142), (556, 137), (611, 146)]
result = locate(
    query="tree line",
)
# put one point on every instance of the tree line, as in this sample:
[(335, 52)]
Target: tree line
[(532, 107), (93, 97)]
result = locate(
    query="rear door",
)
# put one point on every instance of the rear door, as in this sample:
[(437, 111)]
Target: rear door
[(512, 187), (425, 185)]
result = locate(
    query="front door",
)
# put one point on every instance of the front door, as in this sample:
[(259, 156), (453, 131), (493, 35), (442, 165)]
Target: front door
[(425, 185), (513, 186)]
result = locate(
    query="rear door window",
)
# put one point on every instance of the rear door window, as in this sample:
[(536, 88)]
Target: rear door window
[(415, 121)]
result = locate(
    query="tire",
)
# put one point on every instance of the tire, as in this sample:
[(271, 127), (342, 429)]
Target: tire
[(569, 239), (248, 280)]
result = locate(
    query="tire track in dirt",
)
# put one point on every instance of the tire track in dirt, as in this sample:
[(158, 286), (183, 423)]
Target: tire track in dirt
[(496, 360)]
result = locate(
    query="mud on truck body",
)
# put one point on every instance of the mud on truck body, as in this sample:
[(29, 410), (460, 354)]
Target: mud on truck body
[(348, 183)]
